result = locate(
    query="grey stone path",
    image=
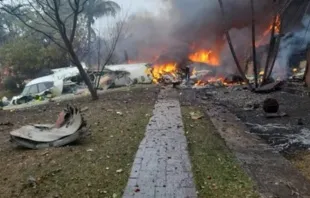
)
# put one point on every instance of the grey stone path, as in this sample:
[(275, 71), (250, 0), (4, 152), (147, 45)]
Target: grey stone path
[(162, 166)]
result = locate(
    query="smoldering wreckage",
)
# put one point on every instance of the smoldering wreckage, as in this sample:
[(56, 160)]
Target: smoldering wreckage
[(197, 65)]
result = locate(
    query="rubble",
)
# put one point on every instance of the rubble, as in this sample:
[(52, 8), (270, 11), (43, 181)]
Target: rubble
[(233, 78), (276, 115), (251, 106), (69, 127), (270, 87)]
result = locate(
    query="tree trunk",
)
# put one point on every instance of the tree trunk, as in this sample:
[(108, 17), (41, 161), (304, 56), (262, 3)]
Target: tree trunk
[(83, 74), (231, 47), (254, 46), (270, 50), (85, 77), (88, 41)]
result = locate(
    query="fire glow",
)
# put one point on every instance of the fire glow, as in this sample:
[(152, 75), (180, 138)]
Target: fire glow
[(211, 80), (205, 56), (269, 30), (277, 27), (158, 71)]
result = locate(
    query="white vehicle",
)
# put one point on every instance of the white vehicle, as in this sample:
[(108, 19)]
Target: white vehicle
[(52, 84)]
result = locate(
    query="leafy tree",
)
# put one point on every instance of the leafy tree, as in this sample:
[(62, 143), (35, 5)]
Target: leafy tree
[(62, 17), (27, 56), (95, 9)]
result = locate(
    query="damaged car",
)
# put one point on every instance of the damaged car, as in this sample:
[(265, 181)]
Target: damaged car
[(38, 87), (50, 85)]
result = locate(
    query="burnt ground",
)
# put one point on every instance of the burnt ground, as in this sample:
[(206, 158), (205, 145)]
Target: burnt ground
[(97, 166), (286, 134), (274, 175)]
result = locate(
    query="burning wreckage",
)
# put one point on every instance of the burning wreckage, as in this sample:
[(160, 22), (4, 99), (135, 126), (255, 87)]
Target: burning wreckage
[(201, 69)]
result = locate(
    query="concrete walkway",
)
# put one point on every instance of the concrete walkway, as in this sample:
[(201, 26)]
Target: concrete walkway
[(162, 166)]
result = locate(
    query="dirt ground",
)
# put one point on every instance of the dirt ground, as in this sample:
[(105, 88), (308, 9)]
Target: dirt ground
[(289, 135), (98, 166)]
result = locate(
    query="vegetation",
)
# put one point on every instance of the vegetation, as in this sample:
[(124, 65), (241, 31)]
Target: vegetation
[(87, 169), (49, 33), (216, 171), (27, 56), (95, 9)]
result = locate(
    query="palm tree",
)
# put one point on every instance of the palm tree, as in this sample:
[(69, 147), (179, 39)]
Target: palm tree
[(95, 9)]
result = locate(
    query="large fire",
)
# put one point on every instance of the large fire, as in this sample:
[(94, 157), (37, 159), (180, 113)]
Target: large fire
[(205, 56), (158, 71), (199, 55)]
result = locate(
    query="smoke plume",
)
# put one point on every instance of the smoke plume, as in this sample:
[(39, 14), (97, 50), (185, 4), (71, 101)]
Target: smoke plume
[(187, 25), (292, 43)]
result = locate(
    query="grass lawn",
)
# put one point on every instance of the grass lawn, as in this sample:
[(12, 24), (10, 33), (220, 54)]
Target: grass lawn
[(216, 171), (98, 166), (301, 161)]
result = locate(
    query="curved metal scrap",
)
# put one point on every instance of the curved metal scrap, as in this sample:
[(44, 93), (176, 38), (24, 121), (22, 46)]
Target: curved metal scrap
[(69, 128)]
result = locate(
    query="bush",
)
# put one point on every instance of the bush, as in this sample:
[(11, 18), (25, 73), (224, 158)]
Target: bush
[(10, 84)]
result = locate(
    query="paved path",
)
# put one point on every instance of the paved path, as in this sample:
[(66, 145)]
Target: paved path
[(162, 167)]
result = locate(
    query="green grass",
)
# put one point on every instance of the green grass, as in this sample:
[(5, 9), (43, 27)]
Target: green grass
[(87, 169), (216, 171)]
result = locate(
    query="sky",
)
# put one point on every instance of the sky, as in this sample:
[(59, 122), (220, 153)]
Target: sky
[(138, 5), (129, 7)]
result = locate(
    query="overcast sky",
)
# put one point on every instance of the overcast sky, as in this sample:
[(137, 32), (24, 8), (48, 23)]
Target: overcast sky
[(130, 7)]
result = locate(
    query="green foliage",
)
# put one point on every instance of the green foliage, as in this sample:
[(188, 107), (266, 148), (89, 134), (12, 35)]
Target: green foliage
[(27, 56), (98, 8)]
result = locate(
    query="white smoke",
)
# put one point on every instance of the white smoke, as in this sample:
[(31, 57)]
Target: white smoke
[(292, 43)]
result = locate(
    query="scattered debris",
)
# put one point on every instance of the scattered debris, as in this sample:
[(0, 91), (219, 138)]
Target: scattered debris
[(271, 105), (276, 115), (6, 124), (196, 115), (119, 113), (251, 106), (5, 101), (84, 109), (70, 126), (32, 181), (233, 78), (270, 87), (119, 171), (90, 150), (269, 127)]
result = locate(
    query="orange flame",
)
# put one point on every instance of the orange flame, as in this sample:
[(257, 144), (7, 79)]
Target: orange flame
[(269, 29), (211, 80), (157, 71), (205, 56), (277, 27)]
